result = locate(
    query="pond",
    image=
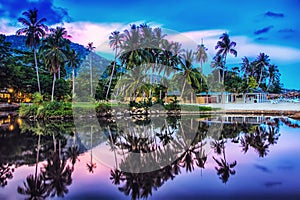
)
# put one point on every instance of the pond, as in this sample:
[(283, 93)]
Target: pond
[(159, 157)]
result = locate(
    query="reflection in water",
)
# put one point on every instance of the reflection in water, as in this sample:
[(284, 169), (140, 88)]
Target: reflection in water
[(59, 145)]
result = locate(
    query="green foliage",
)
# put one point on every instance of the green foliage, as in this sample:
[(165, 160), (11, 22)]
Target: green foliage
[(252, 83), (46, 110), (173, 105), (102, 107), (37, 98)]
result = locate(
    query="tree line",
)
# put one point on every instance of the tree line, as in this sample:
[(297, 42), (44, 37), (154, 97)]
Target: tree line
[(43, 69)]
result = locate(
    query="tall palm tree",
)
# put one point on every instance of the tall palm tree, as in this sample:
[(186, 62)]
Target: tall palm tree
[(73, 62), (91, 48), (218, 64), (224, 47), (274, 75), (246, 68), (34, 30), (201, 55), (261, 62), (34, 187), (54, 52), (115, 41), (189, 73)]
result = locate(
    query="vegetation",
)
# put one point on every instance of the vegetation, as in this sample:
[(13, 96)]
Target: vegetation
[(146, 65)]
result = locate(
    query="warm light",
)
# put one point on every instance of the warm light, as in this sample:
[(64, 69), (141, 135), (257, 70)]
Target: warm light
[(11, 127), (10, 90), (19, 121)]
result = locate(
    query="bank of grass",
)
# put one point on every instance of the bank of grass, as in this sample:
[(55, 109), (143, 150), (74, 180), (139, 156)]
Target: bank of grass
[(195, 108), (64, 110)]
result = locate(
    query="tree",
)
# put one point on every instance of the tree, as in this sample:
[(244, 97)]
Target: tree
[(115, 41), (91, 48), (54, 52), (34, 30), (225, 46), (189, 73), (274, 75), (261, 62), (201, 55), (218, 64), (73, 62)]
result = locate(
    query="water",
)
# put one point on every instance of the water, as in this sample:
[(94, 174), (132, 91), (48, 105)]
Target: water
[(154, 158)]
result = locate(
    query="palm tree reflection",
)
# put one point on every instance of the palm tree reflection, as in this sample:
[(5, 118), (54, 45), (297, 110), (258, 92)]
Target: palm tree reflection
[(57, 174)]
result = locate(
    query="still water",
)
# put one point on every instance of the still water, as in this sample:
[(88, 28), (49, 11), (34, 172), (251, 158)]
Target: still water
[(162, 157)]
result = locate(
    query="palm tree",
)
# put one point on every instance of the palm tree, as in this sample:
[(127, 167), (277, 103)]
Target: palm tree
[(34, 187), (189, 73), (261, 62), (218, 64), (91, 48), (115, 41), (91, 165), (34, 30), (274, 75), (224, 47), (73, 62), (57, 174), (201, 55), (54, 52), (246, 68)]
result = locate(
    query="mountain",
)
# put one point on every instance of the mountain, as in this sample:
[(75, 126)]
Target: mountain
[(18, 43)]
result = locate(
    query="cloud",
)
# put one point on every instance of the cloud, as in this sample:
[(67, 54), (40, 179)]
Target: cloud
[(286, 30), (98, 33), (13, 9), (263, 30), (261, 39), (274, 15)]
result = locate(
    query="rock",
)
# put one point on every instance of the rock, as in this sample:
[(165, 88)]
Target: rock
[(296, 115)]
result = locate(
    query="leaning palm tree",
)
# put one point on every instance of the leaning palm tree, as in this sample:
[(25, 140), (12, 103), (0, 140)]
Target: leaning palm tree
[(91, 48), (73, 62), (191, 75), (34, 30), (261, 62), (201, 55), (54, 52), (224, 47), (274, 75), (246, 68), (116, 40)]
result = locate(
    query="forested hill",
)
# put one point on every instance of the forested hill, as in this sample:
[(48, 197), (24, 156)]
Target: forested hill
[(18, 42)]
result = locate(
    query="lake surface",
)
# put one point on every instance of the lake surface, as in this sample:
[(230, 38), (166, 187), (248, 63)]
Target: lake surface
[(162, 157)]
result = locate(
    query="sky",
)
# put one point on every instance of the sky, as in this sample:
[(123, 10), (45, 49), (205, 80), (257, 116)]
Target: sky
[(268, 26)]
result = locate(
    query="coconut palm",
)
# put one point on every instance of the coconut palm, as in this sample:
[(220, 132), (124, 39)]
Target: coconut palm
[(218, 64), (57, 174), (34, 30), (247, 68), (201, 55), (274, 75), (91, 48), (115, 42), (34, 187), (54, 52), (73, 62), (261, 62), (225, 46), (189, 73)]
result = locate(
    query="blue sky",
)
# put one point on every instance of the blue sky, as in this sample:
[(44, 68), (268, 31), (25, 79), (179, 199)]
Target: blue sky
[(270, 26)]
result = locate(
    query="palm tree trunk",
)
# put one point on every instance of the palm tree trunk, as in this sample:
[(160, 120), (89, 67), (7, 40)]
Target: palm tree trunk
[(111, 76), (259, 81), (37, 70), (91, 74), (37, 159), (73, 83), (53, 87), (58, 72), (181, 95)]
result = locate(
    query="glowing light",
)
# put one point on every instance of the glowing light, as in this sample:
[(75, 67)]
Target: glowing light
[(11, 127)]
